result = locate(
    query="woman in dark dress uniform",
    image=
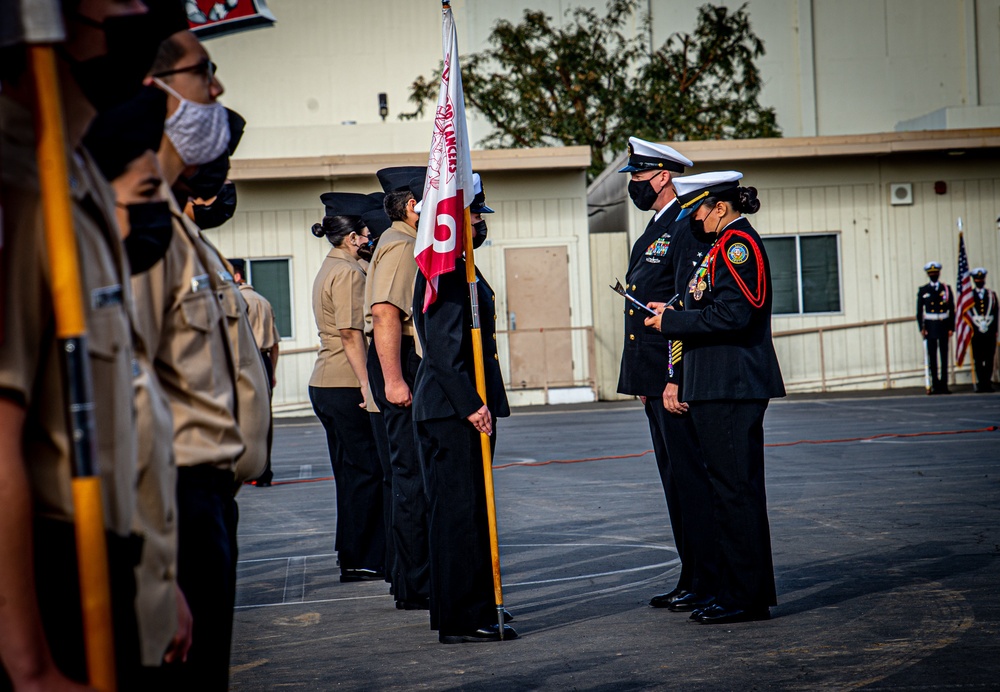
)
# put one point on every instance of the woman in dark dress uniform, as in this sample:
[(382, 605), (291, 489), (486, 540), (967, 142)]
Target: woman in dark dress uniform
[(730, 373)]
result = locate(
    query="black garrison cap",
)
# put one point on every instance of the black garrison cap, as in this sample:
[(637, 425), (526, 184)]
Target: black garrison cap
[(399, 177), (121, 135), (347, 203)]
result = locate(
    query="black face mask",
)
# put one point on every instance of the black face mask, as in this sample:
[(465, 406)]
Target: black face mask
[(933, 276), (150, 231), (366, 250), (642, 194), (219, 211), (480, 234), (980, 283), (115, 77), (208, 180)]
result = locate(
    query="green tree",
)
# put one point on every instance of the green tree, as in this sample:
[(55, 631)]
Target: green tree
[(591, 82)]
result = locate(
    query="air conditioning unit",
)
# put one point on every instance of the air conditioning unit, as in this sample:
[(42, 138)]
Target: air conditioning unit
[(900, 194)]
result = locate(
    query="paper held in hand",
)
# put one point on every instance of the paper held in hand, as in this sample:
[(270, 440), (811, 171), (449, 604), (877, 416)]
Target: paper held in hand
[(620, 290)]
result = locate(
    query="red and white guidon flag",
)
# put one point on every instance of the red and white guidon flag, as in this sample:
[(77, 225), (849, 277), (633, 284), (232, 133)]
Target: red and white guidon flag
[(448, 189)]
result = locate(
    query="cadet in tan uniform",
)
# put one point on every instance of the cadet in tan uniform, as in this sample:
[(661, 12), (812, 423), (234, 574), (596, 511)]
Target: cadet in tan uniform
[(41, 641), (195, 322), (123, 143), (377, 222), (338, 385), (392, 366), (260, 314)]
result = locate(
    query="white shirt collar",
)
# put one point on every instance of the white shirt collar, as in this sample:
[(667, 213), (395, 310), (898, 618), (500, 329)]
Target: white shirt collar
[(658, 214)]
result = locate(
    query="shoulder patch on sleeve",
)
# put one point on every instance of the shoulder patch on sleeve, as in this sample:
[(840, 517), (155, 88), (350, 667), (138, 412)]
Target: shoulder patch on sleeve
[(738, 253)]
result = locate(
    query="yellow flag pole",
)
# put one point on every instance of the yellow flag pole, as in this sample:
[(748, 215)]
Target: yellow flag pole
[(91, 548), (477, 355)]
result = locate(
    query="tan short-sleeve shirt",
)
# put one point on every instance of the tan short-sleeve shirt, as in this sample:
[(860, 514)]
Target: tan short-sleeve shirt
[(179, 317), (30, 369), (261, 316), (391, 274), (338, 303)]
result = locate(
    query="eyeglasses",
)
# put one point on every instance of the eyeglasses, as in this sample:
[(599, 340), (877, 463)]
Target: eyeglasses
[(205, 68)]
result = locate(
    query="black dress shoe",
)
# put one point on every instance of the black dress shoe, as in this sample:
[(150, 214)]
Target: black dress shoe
[(691, 601), (507, 616), (418, 604), (720, 615), (664, 600), (361, 574), (489, 633)]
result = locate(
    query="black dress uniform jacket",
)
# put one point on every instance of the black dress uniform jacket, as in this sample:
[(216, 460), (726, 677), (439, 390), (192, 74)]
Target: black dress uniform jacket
[(446, 381), (650, 277), (728, 352), (939, 303)]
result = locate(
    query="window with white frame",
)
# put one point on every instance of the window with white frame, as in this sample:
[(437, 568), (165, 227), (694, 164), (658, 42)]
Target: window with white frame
[(272, 279), (805, 273)]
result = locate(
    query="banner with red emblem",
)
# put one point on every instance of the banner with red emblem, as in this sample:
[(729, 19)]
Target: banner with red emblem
[(210, 18), (448, 189)]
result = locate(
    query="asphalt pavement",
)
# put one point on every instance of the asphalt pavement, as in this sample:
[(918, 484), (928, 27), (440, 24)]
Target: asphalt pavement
[(885, 526)]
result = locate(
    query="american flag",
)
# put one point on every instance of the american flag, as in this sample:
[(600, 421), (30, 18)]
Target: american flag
[(963, 325)]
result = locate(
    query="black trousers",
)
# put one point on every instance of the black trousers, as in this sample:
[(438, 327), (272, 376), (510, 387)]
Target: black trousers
[(207, 516), (349, 437), (937, 359), (411, 571), (57, 585), (731, 437), (382, 446), (984, 347), (268, 475), (461, 565), (689, 496)]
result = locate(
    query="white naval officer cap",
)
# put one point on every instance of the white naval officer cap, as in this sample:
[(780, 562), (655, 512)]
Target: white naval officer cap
[(691, 189), (979, 273), (647, 156), (932, 267)]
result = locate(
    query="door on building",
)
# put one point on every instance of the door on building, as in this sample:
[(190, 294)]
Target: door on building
[(538, 317)]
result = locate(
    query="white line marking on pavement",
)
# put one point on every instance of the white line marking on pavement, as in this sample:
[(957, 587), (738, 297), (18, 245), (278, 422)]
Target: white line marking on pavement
[(295, 580), (306, 471)]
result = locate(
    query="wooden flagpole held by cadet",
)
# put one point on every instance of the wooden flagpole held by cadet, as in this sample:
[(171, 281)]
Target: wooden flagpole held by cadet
[(91, 548), (484, 439)]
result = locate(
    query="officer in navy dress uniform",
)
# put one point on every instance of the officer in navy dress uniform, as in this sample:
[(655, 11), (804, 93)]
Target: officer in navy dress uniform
[(647, 371), (936, 318), (730, 373), (449, 416), (984, 318)]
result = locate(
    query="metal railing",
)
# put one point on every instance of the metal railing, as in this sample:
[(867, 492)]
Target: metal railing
[(873, 373)]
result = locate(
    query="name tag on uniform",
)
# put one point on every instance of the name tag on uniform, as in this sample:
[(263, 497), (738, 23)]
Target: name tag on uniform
[(106, 297), (224, 275), (200, 283)]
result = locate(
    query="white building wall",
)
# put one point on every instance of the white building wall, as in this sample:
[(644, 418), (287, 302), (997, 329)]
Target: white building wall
[(831, 66)]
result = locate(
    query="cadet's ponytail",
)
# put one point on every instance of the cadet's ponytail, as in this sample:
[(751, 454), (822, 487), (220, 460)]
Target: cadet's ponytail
[(336, 228)]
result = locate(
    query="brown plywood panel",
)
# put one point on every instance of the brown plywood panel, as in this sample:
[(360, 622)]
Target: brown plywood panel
[(538, 301)]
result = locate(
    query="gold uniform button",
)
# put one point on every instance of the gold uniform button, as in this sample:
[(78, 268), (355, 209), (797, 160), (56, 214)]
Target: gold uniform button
[(631, 312), (496, 357), (631, 337), (633, 287)]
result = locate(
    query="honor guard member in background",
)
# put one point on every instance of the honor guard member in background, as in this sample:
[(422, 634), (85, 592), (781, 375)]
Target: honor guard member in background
[(730, 373), (377, 222), (450, 415), (41, 645), (194, 320), (339, 383), (262, 322), (936, 318), (123, 142), (393, 359), (646, 367), (983, 315)]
